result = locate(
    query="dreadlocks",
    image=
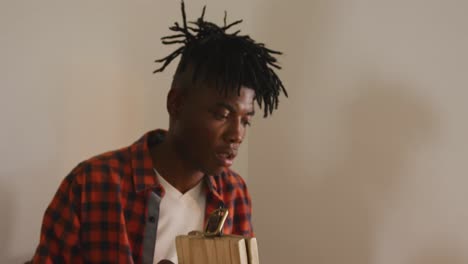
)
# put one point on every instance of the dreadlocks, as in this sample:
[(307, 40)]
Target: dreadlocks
[(230, 60)]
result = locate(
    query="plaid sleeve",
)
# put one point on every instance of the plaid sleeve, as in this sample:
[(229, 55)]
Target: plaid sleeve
[(241, 205), (59, 239), (244, 209)]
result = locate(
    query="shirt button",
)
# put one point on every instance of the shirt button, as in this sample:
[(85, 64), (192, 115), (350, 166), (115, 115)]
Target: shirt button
[(152, 219)]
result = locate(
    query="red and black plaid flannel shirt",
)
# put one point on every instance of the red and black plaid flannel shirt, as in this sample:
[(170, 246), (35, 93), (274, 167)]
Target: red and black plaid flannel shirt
[(106, 209)]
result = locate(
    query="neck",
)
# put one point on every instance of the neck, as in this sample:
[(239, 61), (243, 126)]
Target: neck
[(172, 167)]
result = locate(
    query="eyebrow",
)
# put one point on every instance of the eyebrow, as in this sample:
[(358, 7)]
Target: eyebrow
[(232, 109)]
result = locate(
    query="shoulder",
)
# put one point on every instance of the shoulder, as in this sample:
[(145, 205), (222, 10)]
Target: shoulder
[(111, 159), (233, 176), (230, 181), (105, 167)]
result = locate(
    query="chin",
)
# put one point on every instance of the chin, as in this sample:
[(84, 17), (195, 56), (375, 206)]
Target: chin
[(214, 171)]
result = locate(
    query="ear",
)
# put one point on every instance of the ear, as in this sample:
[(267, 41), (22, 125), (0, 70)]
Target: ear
[(174, 102)]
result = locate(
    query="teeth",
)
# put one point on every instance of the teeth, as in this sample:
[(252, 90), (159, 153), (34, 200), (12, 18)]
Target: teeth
[(226, 155)]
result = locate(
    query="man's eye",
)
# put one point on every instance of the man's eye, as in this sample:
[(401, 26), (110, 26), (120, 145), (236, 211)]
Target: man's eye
[(221, 116), (246, 123)]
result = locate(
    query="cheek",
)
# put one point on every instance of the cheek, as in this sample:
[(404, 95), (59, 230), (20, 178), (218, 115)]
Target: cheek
[(203, 131), (209, 131)]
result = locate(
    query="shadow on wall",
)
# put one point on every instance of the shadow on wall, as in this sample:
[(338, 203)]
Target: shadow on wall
[(335, 215), (441, 253), (382, 127), (329, 213), (6, 223), (7, 226), (299, 30)]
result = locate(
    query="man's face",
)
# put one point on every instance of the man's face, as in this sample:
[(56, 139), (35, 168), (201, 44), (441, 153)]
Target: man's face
[(209, 127)]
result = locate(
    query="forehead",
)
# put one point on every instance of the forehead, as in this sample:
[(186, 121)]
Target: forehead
[(208, 95)]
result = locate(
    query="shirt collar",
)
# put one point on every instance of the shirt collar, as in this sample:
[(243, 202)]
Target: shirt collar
[(213, 185), (142, 164)]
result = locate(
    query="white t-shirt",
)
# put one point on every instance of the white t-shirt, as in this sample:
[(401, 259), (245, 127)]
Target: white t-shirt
[(178, 214)]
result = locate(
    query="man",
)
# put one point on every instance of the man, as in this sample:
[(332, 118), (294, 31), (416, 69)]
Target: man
[(128, 205)]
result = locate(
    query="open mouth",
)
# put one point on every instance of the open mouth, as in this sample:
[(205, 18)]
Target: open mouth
[(226, 158)]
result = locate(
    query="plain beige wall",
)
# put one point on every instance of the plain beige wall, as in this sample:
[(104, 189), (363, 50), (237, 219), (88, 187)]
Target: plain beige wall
[(366, 162), (76, 80)]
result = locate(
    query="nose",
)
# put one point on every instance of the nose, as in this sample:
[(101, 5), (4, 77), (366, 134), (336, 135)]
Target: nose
[(234, 134)]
